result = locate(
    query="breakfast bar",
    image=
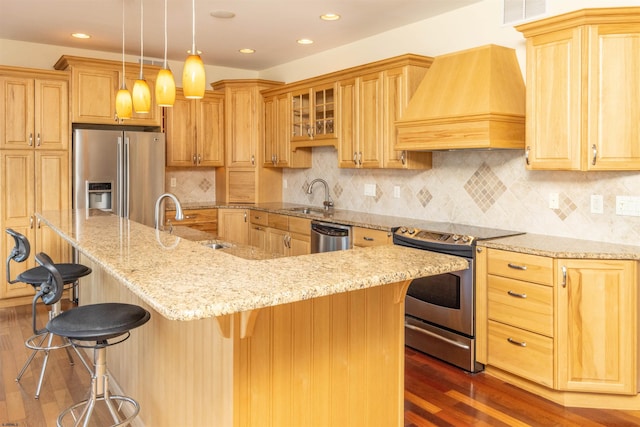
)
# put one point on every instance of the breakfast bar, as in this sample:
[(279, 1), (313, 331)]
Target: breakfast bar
[(241, 340)]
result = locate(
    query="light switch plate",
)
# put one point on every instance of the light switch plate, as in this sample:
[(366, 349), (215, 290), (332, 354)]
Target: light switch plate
[(173, 182), (597, 204), (396, 191), (628, 205), (554, 201), (370, 190)]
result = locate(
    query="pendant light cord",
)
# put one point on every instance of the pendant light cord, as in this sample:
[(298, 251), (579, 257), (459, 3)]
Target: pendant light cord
[(122, 45), (141, 37), (165, 34), (193, 27)]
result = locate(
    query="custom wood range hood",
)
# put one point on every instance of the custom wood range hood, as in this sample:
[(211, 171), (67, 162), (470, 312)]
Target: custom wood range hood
[(469, 99)]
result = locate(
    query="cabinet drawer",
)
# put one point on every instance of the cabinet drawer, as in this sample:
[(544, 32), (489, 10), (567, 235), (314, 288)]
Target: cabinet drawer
[(281, 222), (532, 359), (530, 268), (522, 304), (300, 225), (259, 218), (369, 237)]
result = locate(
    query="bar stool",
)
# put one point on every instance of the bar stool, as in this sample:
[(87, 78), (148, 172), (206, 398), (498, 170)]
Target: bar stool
[(35, 276), (97, 323)]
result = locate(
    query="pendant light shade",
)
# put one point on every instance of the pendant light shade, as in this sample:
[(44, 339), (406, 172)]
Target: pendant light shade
[(123, 103), (193, 76), (165, 88), (123, 97), (165, 84), (141, 92)]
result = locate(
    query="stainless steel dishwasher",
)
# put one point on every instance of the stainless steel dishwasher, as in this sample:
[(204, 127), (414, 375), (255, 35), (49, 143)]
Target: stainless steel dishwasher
[(327, 237)]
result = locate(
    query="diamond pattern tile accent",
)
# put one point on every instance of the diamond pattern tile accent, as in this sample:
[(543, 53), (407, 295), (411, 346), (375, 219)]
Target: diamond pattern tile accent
[(337, 190), (379, 193), (205, 185), (566, 207), (484, 187), (424, 197)]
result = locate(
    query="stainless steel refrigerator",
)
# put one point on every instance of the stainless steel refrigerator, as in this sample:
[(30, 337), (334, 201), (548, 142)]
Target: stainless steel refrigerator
[(118, 171)]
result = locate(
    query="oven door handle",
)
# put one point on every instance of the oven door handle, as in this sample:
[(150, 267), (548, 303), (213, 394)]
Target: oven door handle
[(431, 334)]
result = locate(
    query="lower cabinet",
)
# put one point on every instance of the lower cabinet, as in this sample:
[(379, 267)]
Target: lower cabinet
[(280, 234), (363, 237), (569, 325), (233, 225), (198, 219)]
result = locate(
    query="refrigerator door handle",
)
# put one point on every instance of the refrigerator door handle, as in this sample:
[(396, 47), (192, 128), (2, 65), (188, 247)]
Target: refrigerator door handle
[(125, 177), (120, 175)]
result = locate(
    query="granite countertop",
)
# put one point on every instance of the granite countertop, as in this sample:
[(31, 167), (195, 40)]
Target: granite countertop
[(563, 247), (185, 280)]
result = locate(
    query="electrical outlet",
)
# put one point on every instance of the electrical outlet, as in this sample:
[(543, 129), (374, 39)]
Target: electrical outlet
[(628, 205), (396, 191), (554, 201), (597, 204), (285, 184), (173, 182), (370, 190)]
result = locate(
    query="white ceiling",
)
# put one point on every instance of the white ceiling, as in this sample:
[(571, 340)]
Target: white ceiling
[(271, 27)]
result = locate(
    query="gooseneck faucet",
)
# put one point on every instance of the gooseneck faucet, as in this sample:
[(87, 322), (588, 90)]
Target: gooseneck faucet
[(179, 214), (328, 203)]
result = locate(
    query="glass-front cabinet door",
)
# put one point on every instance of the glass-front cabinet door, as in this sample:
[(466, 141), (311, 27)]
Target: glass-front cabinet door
[(313, 114)]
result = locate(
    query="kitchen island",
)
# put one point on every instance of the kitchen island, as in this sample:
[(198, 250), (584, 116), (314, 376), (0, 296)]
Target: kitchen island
[(311, 340)]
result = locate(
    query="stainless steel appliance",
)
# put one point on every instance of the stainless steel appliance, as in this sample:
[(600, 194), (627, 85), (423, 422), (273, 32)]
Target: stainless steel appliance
[(440, 310), (327, 237), (118, 170)]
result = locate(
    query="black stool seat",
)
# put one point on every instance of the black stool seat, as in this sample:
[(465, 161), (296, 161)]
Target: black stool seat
[(98, 322), (70, 273)]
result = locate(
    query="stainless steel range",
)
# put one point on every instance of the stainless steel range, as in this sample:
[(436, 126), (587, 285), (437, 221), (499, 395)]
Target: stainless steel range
[(440, 310)]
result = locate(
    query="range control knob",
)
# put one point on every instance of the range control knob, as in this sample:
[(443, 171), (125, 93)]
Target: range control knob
[(455, 237), (466, 239), (412, 231), (403, 230)]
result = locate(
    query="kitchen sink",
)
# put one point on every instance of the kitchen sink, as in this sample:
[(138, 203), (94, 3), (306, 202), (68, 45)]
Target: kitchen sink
[(217, 245), (309, 211)]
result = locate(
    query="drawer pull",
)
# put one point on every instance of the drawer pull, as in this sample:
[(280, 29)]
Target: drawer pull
[(517, 295), (518, 343), (517, 267), (368, 239)]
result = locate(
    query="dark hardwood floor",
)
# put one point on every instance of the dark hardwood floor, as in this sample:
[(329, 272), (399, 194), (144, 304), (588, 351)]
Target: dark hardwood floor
[(436, 394)]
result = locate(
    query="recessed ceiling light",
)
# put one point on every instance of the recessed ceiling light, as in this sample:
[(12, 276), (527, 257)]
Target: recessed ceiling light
[(330, 17), (247, 50), (305, 41), (223, 14), (80, 35)]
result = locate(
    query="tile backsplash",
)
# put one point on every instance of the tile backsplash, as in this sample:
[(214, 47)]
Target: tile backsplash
[(484, 188)]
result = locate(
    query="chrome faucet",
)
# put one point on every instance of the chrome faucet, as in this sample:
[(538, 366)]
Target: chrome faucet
[(328, 203), (179, 214)]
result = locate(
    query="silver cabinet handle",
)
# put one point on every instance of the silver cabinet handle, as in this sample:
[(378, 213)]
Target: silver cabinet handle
[(38, 142), (245, 216), (253, 160), (355, 158), (436, 336), (595, 154), (564, 276), (517, 267), (526, 155), (518, 343), (194, 160), (31, 222), (360, 158), (479, 250), (199, 159), (517, 295), (368, 239), (30, 139), (38, 224), (403, 157)]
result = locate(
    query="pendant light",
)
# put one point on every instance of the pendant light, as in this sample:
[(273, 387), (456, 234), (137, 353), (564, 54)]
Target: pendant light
[(123, 97), (193, 77), (165, 85), (141, 92)]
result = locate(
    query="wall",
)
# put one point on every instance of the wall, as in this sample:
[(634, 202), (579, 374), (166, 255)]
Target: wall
[(486, 188)]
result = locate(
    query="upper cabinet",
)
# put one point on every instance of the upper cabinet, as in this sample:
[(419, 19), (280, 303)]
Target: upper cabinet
[(35, 109), (195, 131), (277, 135), (94, 84), (313, 112), (582, 68)]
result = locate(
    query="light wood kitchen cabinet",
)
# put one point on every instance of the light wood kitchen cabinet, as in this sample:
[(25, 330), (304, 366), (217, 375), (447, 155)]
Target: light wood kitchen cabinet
[(580, 72), (32, 181), (597, 326), (277, 140), (520, 315), (243, 179), (364, 237), (199, 219), (258, 223), (233, 225), (195, 131), (94, 84), (313, 115), (35, 109), (281, 234), (569, 325)]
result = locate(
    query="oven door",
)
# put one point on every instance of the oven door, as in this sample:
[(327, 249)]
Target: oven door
[(446, 300)]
